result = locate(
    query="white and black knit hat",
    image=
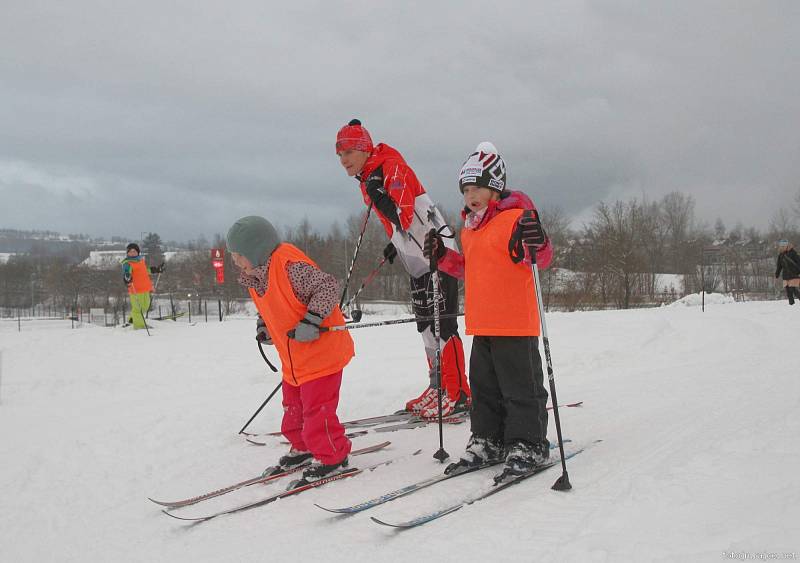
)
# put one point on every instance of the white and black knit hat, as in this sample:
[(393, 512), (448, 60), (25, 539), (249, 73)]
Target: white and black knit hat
[(485, 168)]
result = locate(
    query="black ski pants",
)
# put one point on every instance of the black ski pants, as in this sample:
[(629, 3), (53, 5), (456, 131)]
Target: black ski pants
[(422, 303), (509, 401)]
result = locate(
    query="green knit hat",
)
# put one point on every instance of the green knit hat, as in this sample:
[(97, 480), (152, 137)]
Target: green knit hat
[(254, 238)]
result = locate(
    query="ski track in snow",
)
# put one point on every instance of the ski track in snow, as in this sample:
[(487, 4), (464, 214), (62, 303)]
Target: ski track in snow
[(698, 413)]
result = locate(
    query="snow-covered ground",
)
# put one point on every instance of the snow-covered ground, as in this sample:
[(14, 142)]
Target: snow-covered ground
[(699, 299), (698, 413)]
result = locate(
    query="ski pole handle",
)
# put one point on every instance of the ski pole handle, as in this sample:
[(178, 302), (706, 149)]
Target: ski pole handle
[(434, 262), (529, 215)]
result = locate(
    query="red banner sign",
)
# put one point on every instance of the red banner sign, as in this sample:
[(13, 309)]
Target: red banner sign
[(218, 261)]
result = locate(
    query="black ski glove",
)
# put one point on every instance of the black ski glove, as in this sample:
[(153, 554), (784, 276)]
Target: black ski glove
[(262, 334), (307, 330), (530, 231), (390, 253), (528, 236), (157, 269), (434, 245)]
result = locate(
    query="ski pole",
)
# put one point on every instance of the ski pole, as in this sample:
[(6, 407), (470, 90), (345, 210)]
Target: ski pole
[(367, 280), (562, 483), (355, 255), (264, 404), (336, 328), (155, 289), (441, 455)]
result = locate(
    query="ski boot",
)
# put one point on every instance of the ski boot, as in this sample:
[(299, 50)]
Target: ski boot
[(415, 406), (295, 458), (449, 406), (319, 471), (523, 457), (479, 452)]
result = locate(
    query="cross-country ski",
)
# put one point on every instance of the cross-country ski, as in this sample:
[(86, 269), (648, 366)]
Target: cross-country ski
[(269, 474), (495, 487), (295, 488)]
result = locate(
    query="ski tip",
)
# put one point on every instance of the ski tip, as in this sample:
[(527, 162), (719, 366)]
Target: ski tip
[(382, 523), (186, 519), (163, 503), (370, 449), (254, 442), (333, 510)]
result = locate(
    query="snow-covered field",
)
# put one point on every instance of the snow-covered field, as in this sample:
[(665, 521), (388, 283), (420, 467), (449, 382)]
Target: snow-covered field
[(698, 413)]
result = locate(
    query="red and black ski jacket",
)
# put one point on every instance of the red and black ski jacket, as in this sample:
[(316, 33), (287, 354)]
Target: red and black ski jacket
[(391, 185)]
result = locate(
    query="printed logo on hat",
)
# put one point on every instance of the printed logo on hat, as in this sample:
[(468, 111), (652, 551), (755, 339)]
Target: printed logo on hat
[(484, 168)]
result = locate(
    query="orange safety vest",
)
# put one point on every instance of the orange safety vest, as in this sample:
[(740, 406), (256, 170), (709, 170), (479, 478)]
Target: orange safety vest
[(281, 311), (140, 277), (499, 298)]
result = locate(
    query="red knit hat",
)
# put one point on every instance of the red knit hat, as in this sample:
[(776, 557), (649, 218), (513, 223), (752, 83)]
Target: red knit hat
[(353, 137)]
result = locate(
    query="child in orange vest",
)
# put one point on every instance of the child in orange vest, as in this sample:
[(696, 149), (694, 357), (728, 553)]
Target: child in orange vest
[(509, 401), (293, 296), (136, 276)]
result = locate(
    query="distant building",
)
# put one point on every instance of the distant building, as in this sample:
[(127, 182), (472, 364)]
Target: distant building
[(111, 259), (104, 259)]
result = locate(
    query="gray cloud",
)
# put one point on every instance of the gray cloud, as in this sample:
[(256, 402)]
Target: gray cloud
[(118, 118)]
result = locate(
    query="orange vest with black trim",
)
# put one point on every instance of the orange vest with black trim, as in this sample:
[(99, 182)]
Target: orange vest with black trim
[(500, 298), (281, 311), (140, 277)]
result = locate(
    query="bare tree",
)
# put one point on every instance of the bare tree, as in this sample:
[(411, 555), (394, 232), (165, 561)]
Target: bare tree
[(615, 232), (796, 204), (719, 229), (678, 213), (782, 224)]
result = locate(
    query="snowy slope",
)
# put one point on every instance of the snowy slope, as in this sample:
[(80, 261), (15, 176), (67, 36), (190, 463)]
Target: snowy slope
[(698, 413)]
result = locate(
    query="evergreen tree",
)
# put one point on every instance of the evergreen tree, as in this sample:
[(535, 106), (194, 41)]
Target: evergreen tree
[(151, 246)]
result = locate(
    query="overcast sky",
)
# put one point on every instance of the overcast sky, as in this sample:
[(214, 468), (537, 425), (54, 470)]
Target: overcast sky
[(179, 117)]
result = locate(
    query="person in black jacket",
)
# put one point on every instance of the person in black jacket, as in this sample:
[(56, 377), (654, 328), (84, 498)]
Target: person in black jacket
[(789, 265)]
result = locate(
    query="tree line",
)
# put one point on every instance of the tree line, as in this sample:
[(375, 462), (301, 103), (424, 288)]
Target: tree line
[(617, 259)]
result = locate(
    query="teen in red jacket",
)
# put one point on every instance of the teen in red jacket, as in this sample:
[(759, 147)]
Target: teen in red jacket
[(407, 214)]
